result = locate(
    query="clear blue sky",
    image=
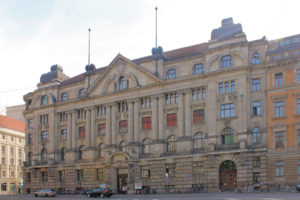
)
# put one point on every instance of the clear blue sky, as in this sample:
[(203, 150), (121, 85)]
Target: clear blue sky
[(36, 34)]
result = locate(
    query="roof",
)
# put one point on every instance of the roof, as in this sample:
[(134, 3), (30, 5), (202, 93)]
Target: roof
[(13, 124)]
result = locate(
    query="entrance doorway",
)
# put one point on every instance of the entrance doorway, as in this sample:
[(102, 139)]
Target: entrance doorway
[(227, 176), (122, 183)]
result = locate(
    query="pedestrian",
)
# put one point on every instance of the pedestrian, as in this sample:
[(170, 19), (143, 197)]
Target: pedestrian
[(19, 191)]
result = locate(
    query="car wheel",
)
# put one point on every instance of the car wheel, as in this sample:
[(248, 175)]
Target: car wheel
[(35, 195), (46, 195)]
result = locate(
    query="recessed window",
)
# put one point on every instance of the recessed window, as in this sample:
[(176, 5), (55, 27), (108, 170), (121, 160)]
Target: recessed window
[(256, 136), (227, 136), (255, 58), (171, 143), (63, 134), (198, 115), (279, 109), (123, 126), (81, 114), (79, 174), (298, 75), (44, 100), (145, 171), (101, 129), (298, 167), (44, 119), (146, 145), (170, 170), (122, 83), (44, 136), (226, 61), (81, 132), (198, 94), (171, 98), (122, 106), (279, 171), (256, 108), (255, 84), (171, 74), (64, 96), (227, 110), (44, 176), (146, 123), (278, 80), (100, 174), (80, 152), (81, 92), (172, 120), (199, 140), (62, 154), (198, 68), (101, 110), (227, 87), (279, 139), (146, 102), (123, 146), (298, 137)]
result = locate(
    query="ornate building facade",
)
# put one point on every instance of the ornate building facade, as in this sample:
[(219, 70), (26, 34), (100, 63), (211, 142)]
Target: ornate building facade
[(194, 117)]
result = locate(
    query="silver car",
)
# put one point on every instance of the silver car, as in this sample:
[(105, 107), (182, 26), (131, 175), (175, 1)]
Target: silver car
[(45, 193)]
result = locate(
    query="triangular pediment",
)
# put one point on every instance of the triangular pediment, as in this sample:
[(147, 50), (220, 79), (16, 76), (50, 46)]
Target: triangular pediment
[(135, 76)]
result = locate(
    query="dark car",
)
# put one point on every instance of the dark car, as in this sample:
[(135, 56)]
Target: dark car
[(298, 187), (100, 192)]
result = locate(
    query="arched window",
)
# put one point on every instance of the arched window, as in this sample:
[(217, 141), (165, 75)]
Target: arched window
[(255, 58), (64, 97), (123, 146), (44, 154), (62, 153), (171, 143), (256, 135), (80, 152), (100, 150), (226, 61), (198, 68), (44, 100), (122, 83), (146, 145), (227, 136), (199, 140), (81, 92), (171, 74)]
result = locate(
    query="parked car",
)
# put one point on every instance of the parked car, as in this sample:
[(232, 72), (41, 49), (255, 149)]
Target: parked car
[(298, 187), (100, 192), (45, 192)]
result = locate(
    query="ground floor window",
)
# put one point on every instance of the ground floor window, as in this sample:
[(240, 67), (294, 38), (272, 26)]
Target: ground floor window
[(145, 171), (256, 177), (198, 168), (170, 170), (3, 186), (100, 174), (44, 176), (279, 168), (79, 174), (61, 176)]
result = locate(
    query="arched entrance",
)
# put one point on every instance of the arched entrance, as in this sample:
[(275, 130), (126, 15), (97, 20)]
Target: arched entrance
[(227, 175), (122, 179)]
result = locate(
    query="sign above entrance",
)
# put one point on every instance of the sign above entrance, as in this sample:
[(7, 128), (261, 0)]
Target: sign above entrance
[(138, 186)]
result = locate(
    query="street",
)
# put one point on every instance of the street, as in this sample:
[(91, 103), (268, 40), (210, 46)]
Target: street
[(199, 196)]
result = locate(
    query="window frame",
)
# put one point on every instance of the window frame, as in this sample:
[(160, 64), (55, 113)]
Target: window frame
[(101, 128), (279, 168), (256, 84), (44, 100), (255, 58), (199, 140), (171, 74), (171, 143), (279, 139), (227, 133), (226, 62), (279, 109), (278, 80), (123, 126), (81, 132), (64, 96), (198, 68), (198, 115), (256, 135), (81, 92), (146, 146), (122, 83), (227, 110), (146, 123), (171, 120), (256, 108), (44, 136)]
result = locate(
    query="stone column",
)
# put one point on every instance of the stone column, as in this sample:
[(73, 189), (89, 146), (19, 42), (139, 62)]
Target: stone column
[(74, 129), (161, 117), (137, 106), (36, 135), (188, 115), (93, 127), (211, 114), (51, 131), (114, 123), (108, 125), (154, 118), (88, 128), (69, 131), (180, 114), (130, 121)]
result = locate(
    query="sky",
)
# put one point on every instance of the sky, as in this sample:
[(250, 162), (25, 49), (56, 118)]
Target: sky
[(35, 34)]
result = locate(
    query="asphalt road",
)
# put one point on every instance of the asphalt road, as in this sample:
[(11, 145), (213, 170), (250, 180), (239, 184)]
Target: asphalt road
[(201, 196)]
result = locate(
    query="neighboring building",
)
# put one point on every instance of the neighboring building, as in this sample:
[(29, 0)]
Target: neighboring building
[(284, 111), (194, 117), (16, 112), (12, 142)]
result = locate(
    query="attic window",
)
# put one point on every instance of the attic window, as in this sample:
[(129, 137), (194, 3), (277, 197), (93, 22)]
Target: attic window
[(122, 83), (64, 97), (226, 61), (81, 92), (255, 58), (171, 74), (44, 100)]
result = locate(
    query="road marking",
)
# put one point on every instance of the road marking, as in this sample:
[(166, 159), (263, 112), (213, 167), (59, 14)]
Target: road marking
[(230, 199), (271, 199)]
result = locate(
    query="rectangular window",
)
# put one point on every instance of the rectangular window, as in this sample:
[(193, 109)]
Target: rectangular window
[(193, 95), (101, 129), (29, 141), (298, 137), (255, 84), (61, 176), (220, 88), (172, 120), (170, 170), (203, 93), (232, 86), (99, 174), (256, 161), (146, 123), (43, 119), (227, 110), (198, 168), (145, 171), (79, 175), (101, 110), (81, 114), (3, 150), (12, 161), (279, 109), (146, 102), (256, 108), (63, 134), (278, 80), (123, 126), (63, 117), (3, 160), (198, 94), (198, 115), (30, 123), (298, 106), (3, 186), (12, 151), (279, 139), (226, 87), (279, 168), (20, 162), (44, 176), (256, 177), (298, 75), (81, 132), (44, 136)]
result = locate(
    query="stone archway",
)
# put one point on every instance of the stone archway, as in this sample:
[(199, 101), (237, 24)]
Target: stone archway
[(227, 175)]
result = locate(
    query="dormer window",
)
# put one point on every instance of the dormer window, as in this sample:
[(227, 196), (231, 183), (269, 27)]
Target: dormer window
[(171, 74), (198, 68), (64, 97), (81, 92), (44, 100), (226, 61), (255, 58), (122, 83)]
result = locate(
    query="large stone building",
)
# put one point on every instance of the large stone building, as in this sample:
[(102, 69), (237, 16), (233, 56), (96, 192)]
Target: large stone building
[(194, 117), (16, 112), (12, 142)]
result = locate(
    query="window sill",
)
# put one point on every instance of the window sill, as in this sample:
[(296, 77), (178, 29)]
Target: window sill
[(257, 115), (281, 117), (227, 118)]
